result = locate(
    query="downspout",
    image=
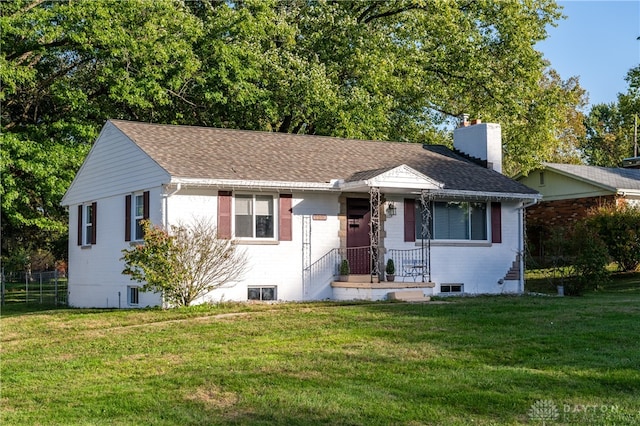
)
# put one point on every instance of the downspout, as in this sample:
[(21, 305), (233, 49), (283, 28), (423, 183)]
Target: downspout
[(521, 233), (165, 219)]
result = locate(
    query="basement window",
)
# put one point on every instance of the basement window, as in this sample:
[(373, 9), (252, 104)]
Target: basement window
[(262, 293), (133, 294), (451, 288)]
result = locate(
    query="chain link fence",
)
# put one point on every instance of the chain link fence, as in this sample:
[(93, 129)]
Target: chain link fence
[(45, 288)]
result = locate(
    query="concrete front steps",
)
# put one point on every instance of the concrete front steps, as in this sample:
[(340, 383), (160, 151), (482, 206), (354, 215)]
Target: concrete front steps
[(367, 287), (409, 296)]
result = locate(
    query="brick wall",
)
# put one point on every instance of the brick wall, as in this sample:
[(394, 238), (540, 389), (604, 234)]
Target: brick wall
[(564, 212), (547, 215)]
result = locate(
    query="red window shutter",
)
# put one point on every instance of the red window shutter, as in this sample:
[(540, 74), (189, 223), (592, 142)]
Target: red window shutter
[(94, 222), (127, 218), (409, 219), (80, 224), (224, 214), (285, 217), (145, 205), (496, 223)]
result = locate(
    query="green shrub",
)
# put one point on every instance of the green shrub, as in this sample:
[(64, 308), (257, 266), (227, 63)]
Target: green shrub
[(344, 267), (590, 260), (391, 268), (619, 228), (577, 258)]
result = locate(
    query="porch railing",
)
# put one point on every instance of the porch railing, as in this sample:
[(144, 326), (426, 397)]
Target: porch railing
[(411, 264), (327, 268)]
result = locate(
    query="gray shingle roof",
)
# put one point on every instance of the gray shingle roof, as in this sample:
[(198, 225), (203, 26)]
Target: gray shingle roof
[(614, 178), (213, 153)]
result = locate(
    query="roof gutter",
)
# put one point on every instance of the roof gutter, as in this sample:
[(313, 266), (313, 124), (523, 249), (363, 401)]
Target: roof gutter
[(628, 192), (333, 186), (483, 195)]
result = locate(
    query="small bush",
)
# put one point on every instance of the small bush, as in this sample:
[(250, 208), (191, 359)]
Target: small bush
[(619, 228), (344, 267), (577, 258), (590, 259), (391, 268)]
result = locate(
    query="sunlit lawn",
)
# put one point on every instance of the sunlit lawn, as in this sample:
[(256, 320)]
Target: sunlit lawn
[(482, 360)]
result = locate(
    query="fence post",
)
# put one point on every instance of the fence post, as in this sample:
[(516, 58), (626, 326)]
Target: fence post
[(55, 287), (26, 287), (41, 288), (2, 287)]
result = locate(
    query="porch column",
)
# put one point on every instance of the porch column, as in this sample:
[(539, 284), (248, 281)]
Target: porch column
[(374, 231), (426, 197)]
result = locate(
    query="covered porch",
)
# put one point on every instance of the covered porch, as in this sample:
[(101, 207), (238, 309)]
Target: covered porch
[(365, 210)]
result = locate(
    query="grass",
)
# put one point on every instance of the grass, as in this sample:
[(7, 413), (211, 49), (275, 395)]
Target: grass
[(481, 360)]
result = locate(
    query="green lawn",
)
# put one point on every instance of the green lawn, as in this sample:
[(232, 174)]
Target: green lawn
[(484, 360)]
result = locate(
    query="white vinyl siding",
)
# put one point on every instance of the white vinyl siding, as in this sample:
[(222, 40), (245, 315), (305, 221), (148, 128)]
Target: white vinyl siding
[(115, 165)]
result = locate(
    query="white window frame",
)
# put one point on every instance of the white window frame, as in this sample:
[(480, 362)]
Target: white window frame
[(87, 224), (450, 288), (135, 218), (487, 222), (274, 205), (262, 289), (133, 295)]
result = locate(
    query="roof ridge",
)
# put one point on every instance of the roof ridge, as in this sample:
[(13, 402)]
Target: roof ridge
[(260, 132)]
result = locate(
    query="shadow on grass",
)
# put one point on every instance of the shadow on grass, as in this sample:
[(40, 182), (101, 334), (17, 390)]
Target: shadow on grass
[(17, 309), (621, 282)]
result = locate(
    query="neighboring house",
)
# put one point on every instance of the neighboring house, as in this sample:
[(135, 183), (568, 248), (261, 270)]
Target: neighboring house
[(569, 191), (298, 205)]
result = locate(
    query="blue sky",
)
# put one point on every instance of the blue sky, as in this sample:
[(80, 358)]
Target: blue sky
[(597, 42)]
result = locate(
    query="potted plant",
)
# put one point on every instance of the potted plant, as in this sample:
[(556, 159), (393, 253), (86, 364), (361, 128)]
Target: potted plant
[(390, 270), (344, 270)]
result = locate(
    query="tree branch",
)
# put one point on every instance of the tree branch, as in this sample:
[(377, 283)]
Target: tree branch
[(31, 6), (24, 52), (366, 19), (177, 95)]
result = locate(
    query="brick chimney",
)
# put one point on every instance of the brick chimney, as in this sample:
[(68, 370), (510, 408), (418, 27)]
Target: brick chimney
[(482, 141)]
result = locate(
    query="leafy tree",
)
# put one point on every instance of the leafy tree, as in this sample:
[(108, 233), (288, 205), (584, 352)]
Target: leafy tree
[(386, 70), (398, 70), (184, 264), (65, 67), (549, 129), (610, 127), (34, 177), (606, 142)]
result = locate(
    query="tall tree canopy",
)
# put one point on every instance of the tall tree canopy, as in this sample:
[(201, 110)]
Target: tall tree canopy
[(396, 70), (610, 127)]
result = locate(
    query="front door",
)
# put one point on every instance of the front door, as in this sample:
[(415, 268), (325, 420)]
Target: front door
[(358, 240)]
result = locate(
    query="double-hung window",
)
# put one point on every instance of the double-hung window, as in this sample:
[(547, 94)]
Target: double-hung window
[(136, 210), (87, 214), (88, 223), (138, 216), (453, 220), (254, 216)]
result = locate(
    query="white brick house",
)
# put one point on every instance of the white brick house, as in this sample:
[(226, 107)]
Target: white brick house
[(298, 205)]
